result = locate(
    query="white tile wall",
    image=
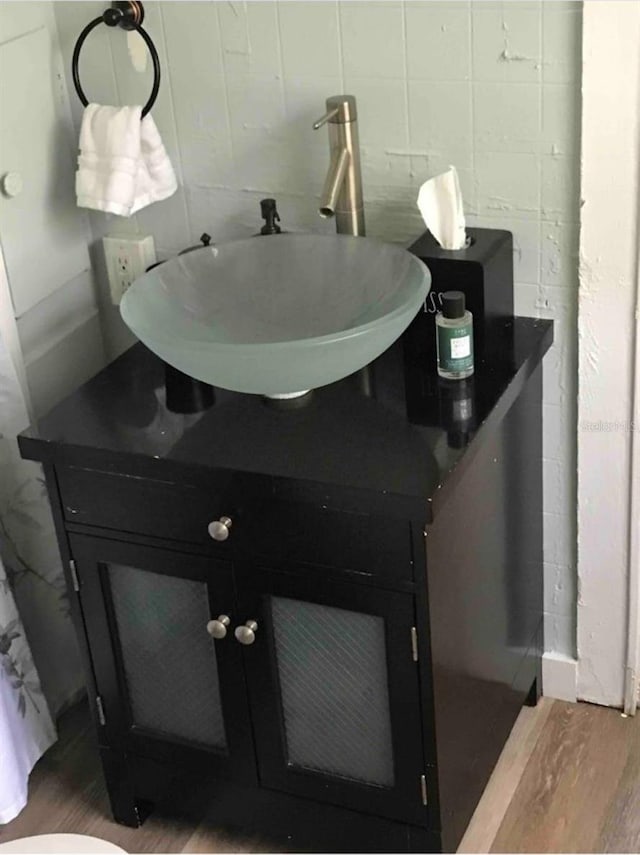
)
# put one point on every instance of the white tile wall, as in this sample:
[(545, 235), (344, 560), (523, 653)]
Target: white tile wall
[(493, 87), (506, 42), (310, 39), (373, 43), (438, 37)]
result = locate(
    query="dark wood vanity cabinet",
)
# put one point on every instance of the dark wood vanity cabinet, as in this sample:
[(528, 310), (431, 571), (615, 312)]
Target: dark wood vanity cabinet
[(327, 674), (377, 607)]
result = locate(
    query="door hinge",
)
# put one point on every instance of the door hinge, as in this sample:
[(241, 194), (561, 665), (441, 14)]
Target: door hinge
[(423, 789), (414, 644), (74, 575), (100, 707)]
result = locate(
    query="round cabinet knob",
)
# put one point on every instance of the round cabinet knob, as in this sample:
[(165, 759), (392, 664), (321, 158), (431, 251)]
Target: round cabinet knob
[(12, 184), (219, 529), (218, 628), (247, 634)]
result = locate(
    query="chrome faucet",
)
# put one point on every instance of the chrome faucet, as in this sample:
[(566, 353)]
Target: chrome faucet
[(342, 192)]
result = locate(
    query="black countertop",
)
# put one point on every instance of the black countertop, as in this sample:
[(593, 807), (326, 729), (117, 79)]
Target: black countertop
[(405, 440)]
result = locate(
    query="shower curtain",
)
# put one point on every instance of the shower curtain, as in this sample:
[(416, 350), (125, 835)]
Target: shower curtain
[(26, 729), (28, 566)]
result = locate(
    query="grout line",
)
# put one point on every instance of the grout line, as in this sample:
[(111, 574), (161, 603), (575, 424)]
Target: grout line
[(472, 80), (283, 94), (407, 100), (540, 136), (187, 212), (247, 31), (225, 78), (23, 33), (116, 83), (340, 44)]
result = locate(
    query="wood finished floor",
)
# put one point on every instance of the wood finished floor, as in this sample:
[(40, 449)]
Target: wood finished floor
[(568, 781)]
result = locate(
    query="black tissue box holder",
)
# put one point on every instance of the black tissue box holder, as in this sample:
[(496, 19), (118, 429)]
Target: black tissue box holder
[(484, 273)]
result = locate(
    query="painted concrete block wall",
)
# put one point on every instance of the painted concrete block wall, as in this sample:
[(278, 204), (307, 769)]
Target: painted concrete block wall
[(490, 87)]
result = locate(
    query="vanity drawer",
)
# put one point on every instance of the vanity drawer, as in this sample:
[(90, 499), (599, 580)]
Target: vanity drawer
[(293, 536), (139, 505)]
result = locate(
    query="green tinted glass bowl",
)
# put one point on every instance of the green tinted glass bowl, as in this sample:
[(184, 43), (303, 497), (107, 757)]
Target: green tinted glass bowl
[(277, 315)]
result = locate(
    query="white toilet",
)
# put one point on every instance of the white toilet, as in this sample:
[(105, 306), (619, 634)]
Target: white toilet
[(60, 844)]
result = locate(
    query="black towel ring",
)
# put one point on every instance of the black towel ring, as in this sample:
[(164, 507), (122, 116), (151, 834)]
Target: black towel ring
[(129, 15)]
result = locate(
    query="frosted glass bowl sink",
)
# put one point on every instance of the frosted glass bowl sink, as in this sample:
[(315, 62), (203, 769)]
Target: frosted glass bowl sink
[(277, 315)]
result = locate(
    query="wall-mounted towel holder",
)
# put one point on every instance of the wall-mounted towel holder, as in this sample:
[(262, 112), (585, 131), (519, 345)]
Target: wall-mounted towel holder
[(129, 15)]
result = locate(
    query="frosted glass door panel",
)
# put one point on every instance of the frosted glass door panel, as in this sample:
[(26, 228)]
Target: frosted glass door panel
[(169, 659), (332, 668)]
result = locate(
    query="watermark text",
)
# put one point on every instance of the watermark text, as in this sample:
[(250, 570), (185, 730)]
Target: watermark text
[(603, 426)]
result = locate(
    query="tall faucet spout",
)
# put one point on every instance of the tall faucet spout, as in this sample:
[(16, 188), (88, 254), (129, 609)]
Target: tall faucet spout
[(334, 181), (342, 192)]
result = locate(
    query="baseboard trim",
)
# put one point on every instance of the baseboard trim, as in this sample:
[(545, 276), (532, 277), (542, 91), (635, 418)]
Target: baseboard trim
[(559, 677)]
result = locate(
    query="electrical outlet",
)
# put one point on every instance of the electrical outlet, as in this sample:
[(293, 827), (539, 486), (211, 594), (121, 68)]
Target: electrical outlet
[(126, 258)]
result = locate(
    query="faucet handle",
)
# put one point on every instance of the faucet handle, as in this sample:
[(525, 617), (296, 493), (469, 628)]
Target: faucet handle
[(340, 110), (324, 119)]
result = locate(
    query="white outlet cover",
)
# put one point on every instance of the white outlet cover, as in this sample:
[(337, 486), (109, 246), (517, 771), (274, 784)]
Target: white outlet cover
[(126, 258)]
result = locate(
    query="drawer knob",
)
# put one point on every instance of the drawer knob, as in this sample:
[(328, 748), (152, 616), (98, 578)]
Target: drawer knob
[(218, 628), (219, 529), (247, 634)]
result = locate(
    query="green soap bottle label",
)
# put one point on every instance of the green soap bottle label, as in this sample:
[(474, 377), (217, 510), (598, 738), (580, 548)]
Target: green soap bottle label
[(455, 347)]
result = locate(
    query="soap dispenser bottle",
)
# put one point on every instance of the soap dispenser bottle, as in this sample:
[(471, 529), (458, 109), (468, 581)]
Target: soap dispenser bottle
[(271, 218)]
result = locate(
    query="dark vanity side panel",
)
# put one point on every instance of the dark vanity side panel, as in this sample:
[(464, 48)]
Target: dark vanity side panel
[(484, 577)]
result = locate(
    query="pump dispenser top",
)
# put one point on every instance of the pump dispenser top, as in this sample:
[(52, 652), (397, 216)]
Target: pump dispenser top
[(271, 217)]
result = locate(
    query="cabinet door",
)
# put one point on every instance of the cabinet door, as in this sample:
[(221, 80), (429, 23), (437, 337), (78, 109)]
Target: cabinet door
[(334, 691), (167, 689)]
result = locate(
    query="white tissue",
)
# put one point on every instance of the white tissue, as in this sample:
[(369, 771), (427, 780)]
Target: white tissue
[(440, 203)]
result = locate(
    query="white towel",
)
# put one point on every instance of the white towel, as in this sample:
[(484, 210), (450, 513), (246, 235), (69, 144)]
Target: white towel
[(123, 165)]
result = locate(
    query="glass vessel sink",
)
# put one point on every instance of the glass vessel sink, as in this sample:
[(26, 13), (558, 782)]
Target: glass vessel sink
[(277, 315)]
